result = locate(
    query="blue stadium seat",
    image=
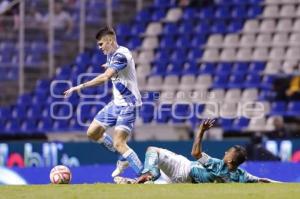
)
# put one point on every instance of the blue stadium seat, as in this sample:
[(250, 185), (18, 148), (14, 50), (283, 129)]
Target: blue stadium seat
[(164, 3), (236, 81), (138, 29), (98, 58), (254, 11), (224, 68), (38, 47), (194, 54), (222, 12), (257, 67), (219, 27), (220, 81), (174, 69), (183, 42), (5, 112), (278, 108), (179, 55), (29, 126), (167, 42), (189, 14), (186, 28), (239, 12), (182, 112), (235, 26), (45, 124), (202, 28), (159, 68), (147, 112), (75, 125), (198, 41), (252, 81), (226, 124), (240, 124), (24, 100), (13, 126), (83, 59), (293, 109), (163, 113), (123, 29), (60, 125), (158, 14), (266, 95), (7, 47), (207, 68), (207, 13), (19, 112), (143, 16), (170, 29), (162, 55), (190, 68), (64, 72), (34, 112), (134, 43), (267, 82), (241, 68)]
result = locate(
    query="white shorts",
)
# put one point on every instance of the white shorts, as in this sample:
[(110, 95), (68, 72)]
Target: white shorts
[(176, 167)]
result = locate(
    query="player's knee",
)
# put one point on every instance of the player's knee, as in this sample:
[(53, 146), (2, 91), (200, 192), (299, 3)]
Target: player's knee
[(93, 134), (118, 144)]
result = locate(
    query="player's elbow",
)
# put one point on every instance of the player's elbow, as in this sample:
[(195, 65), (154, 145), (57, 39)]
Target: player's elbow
[(196, 154)]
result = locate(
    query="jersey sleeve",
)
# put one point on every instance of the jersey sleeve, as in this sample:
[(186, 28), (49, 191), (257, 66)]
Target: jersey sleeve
[(248, 178), (204, 159), (118, 62)]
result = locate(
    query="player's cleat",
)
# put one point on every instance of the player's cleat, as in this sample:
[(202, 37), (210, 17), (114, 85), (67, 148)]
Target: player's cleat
[(121, 166), (122, 180), (144, 179)]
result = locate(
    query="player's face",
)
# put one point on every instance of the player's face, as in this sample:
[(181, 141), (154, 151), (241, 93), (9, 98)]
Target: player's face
[(105, 44), (229, 158)]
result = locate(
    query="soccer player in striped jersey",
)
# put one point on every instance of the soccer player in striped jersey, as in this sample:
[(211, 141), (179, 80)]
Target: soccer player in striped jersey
[(121, 112)]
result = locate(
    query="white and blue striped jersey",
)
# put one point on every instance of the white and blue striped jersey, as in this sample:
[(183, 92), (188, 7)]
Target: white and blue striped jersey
[(125, 88)]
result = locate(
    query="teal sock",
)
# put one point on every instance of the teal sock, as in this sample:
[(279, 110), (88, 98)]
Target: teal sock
[(151, 164)]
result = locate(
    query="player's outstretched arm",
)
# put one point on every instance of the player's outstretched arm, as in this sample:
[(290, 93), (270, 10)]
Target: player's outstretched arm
[(197, 145), (267, 180), (100, 79)]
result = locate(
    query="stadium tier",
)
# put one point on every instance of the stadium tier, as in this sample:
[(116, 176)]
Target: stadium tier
[(229, 52)]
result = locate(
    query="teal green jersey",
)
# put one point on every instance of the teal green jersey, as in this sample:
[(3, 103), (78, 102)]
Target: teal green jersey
[(208, 169)]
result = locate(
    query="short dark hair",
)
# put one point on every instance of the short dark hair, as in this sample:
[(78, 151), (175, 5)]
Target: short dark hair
[(241, 154), (105, 31)]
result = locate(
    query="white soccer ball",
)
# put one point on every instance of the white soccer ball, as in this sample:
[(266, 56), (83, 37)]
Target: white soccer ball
[(60, 174)]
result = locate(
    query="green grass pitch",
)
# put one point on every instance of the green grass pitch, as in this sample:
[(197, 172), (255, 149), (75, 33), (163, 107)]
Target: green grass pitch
[(172, 191)]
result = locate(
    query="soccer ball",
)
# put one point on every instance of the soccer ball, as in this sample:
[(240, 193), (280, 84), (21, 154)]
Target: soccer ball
[(60, 174)]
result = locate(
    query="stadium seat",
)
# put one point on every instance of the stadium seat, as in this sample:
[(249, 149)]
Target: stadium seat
[(278, 108), (293, 108), (240, 124), (163, 113), (181, 112), (220, 81)]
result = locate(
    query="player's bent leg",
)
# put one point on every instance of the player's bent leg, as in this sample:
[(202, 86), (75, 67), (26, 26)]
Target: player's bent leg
[(95, 131), (151, 170), (120, 143)]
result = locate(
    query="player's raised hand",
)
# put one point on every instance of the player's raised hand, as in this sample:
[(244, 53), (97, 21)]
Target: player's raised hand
[(207, 124), (71, 90)]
